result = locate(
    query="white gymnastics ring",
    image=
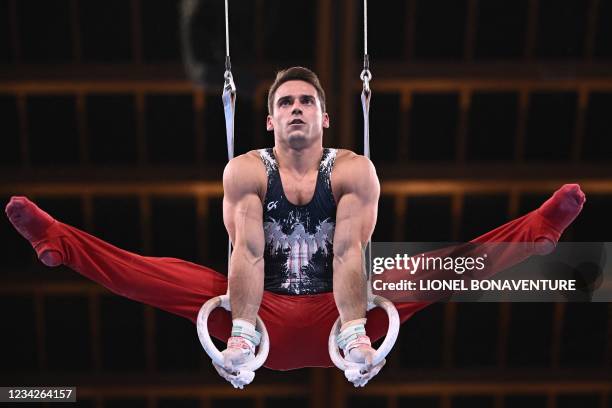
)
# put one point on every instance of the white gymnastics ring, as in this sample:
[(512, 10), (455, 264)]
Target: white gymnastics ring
[(211, 349), (385, 347)]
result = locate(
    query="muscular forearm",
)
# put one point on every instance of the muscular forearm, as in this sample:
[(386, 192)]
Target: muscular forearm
[(350, 284), (246, 282)]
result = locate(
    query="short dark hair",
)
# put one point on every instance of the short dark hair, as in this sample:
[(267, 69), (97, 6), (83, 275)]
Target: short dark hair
[(295, 74)]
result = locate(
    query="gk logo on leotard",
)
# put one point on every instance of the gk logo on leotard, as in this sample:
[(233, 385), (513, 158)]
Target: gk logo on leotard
[(272, 205)]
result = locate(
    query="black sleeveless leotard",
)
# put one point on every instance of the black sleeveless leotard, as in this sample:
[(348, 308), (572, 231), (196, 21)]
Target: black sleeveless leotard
[(299, 251)]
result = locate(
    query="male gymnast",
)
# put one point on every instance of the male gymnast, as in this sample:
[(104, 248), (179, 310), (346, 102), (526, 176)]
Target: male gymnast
[(299, 216)]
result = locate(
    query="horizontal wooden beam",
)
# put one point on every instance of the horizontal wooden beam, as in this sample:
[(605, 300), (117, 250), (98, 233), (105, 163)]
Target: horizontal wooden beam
[(498, 84), (215, 189), (194, 386), (119, 71), (407, 171), (204, 188), (43, 79), (484, 388), (511, 69), (433, 186), (456, 388), (197, 391), (429, 84), (63, 86)]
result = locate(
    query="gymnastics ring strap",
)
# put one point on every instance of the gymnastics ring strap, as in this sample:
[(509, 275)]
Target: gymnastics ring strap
[(211, 349), (245, 373), (229, 110), (358, 376)]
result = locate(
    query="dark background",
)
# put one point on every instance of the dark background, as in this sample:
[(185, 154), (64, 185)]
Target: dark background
[(481, 109)]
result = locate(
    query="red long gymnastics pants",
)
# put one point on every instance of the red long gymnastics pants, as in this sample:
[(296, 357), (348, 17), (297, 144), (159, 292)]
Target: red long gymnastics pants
[(298, 326)]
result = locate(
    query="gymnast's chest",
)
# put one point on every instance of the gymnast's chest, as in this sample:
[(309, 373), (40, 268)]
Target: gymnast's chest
[(298, 191)]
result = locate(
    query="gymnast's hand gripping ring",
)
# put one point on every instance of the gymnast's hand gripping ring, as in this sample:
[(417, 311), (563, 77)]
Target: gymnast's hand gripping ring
[(246, 372), (354, 372)]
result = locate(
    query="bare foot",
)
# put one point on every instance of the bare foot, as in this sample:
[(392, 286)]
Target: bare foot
[(32, 223)]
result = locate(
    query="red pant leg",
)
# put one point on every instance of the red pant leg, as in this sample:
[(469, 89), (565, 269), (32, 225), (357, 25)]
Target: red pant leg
[(526, 229), (169, 284)]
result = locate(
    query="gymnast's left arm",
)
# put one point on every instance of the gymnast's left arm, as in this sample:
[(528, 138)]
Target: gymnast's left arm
[(356, 213)]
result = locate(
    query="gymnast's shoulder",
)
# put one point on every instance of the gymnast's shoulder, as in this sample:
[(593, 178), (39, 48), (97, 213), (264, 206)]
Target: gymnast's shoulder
[(353, 170), (245, 173), (349, 162)]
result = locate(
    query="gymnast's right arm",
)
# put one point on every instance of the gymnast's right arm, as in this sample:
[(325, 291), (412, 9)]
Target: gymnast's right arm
[(243, 217)]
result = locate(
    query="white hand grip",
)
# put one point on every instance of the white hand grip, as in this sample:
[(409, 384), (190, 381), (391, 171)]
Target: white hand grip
[(211, 349), (385, 347)]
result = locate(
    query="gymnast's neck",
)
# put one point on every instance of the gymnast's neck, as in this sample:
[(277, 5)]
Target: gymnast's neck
[(299, 161)]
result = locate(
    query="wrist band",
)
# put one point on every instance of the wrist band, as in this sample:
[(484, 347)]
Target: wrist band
[(248, 333), (350, 334)]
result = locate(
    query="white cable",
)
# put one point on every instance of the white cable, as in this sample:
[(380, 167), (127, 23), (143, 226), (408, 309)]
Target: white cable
[(227, 53), (365, 27)]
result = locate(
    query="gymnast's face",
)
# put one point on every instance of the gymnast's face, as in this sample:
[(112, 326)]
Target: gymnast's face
[(297, 119)]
